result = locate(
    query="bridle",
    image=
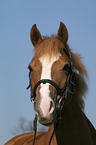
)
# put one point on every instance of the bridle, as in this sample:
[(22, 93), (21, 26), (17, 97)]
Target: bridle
[(61, 92)]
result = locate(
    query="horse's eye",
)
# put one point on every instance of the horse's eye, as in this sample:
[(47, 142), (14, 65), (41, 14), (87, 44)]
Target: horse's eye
[(30, 68), (66, 67)]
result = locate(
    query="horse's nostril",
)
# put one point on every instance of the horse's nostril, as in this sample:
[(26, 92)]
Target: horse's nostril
[(51, 106)]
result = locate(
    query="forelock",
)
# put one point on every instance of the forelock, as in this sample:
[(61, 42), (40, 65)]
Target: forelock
[(50, 46)]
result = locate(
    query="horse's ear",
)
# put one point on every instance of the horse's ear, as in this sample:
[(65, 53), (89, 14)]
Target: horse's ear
[(62, 33), (35, 35)]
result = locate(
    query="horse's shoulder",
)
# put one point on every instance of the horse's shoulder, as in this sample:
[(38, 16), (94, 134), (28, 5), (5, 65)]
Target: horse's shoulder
[(26, 138)]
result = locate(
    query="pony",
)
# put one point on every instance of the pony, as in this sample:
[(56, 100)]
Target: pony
[(57, 78)]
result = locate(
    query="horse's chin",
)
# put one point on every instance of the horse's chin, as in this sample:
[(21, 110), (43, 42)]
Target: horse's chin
[(47, 123)]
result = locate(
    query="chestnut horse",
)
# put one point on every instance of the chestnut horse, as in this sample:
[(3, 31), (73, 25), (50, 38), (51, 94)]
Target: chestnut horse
[(58, 84)]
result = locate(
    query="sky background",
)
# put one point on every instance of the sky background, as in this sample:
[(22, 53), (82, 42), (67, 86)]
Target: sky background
[(16, 51)]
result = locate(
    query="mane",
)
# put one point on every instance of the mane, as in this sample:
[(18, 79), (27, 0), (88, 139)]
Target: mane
[(52, 46), (81, 80)]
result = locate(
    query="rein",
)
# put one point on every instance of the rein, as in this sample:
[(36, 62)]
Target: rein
[(62, 92)]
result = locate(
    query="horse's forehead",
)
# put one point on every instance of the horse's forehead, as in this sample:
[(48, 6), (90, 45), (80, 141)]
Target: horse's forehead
[(47, 61)]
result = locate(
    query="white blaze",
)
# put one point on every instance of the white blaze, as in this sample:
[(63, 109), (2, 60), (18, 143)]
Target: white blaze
[(47, 63)]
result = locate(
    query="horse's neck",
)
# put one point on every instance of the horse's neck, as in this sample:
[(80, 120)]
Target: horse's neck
[(73, 129)]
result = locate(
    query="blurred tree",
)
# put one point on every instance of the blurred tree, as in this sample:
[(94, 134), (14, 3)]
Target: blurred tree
[(25, 126)]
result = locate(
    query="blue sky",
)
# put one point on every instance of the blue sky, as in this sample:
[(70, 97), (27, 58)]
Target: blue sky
[(16, 51)]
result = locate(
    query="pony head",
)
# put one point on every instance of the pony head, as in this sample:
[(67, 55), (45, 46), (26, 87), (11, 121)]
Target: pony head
[(51, 62)]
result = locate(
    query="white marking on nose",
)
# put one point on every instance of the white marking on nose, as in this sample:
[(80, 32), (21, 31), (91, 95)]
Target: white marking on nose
[(47, 63)]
